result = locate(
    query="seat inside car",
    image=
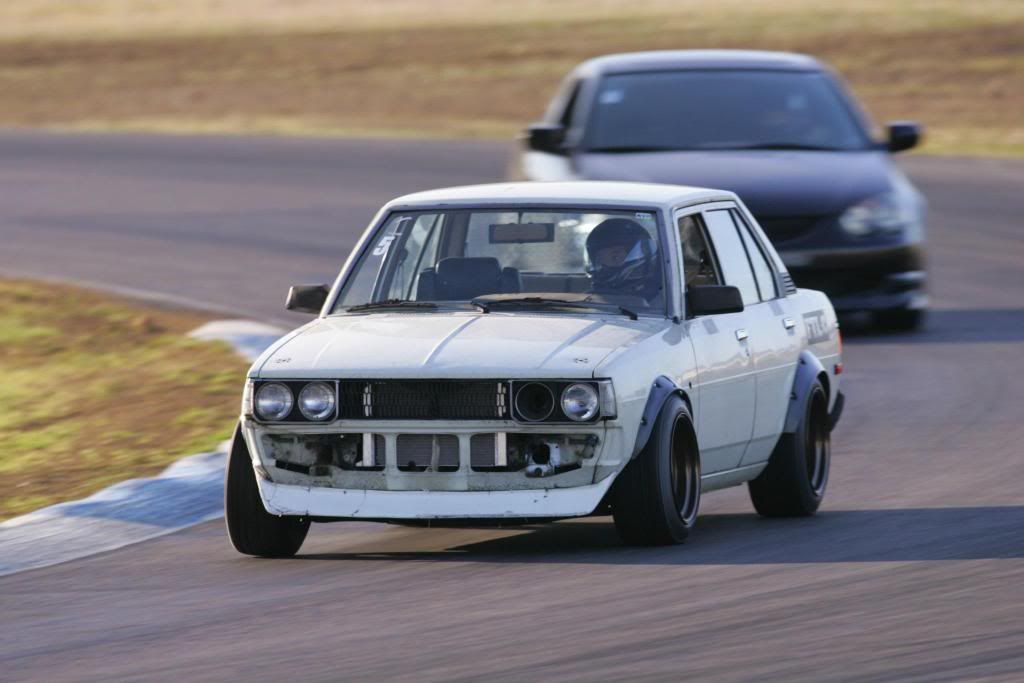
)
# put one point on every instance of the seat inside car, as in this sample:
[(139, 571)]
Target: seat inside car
[(463, 278)]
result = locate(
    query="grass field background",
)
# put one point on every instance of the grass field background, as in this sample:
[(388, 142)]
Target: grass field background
[(475, 67), (99, 389)]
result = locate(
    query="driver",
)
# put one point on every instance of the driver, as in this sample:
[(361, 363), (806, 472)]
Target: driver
[(623, 259)]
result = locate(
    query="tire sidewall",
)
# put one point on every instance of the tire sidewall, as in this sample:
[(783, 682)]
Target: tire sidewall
[(675, 415)]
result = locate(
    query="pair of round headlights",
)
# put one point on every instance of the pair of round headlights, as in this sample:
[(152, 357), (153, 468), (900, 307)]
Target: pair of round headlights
[(274, 401), (535, 402)]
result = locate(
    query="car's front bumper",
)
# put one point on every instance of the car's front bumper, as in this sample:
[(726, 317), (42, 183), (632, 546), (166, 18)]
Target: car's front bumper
[(577, 501), (862, 279), (462, 490)]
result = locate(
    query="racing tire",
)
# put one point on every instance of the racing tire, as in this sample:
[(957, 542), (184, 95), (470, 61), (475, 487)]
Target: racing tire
[(253, 530), (900, 319), (656, 498), (794, 482)]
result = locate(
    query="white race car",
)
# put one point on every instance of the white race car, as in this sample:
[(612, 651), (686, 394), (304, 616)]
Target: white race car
[(541, 351)]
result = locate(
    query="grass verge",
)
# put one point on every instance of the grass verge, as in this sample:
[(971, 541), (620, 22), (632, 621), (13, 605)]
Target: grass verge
[(99, 389), (478, 68)]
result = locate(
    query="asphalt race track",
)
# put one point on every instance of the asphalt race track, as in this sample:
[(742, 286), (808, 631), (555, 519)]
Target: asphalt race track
[(913, 571)]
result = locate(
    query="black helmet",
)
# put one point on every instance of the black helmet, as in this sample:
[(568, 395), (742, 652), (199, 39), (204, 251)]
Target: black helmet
[(637, 274)]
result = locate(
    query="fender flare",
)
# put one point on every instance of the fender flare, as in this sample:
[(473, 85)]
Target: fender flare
[(807, 370), (661, 389)]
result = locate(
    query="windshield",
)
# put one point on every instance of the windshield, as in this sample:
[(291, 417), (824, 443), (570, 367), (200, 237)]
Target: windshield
[(603, 259), (703, 110)]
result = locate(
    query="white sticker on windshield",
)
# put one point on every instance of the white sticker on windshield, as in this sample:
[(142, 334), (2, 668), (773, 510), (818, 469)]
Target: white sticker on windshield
[(611, 97), (382, 246), (640, 216)]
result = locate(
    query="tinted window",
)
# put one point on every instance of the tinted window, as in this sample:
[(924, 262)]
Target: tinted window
[(762, 271), (721, 110), (698, 261), (732, 257)]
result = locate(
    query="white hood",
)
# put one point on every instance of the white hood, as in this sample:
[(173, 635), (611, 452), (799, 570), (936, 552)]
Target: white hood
[(495, 345)]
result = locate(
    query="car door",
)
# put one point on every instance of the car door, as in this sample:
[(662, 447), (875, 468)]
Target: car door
[(776, 346), (726, 386)]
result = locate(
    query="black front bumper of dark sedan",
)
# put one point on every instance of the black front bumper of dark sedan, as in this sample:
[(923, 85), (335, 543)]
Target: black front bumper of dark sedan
[(864, 278)]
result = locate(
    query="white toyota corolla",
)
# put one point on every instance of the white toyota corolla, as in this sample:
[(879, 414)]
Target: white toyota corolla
[(541, 351)]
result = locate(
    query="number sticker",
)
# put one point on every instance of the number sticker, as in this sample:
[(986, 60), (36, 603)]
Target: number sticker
[(382, 246)]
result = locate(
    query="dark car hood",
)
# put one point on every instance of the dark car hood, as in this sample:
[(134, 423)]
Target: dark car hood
[(771, 183)]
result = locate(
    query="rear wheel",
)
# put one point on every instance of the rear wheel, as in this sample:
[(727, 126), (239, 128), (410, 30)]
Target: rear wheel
[(900, 319), (656, 498), (253, 530), (793, 484)]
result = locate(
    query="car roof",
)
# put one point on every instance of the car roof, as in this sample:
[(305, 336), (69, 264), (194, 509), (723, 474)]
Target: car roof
[(659, 60), (596, 192)]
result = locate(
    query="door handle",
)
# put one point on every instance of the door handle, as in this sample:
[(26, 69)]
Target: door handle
[(788, 323), (741, 335)]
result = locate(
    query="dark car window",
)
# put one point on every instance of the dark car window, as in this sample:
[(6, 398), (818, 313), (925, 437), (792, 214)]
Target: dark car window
[(762, 271), (698, 262), (719, 109), (732, 257)]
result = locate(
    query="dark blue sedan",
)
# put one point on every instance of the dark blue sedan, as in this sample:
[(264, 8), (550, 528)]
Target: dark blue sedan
[(778, 129)]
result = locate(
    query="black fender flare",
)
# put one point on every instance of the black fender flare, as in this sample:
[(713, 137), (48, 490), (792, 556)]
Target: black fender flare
[(661, 389), (808, 368)]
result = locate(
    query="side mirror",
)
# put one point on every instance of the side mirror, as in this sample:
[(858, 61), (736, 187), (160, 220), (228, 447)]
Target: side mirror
[(903, 135), (710, 299), (307, 298), (546, 137)]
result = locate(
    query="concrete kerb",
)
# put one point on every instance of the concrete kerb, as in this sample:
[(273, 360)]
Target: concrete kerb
[(188, 492)]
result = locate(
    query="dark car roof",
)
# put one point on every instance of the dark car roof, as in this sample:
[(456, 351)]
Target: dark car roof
[(700, 59)]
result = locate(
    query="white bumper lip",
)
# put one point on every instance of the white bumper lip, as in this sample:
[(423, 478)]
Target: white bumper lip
[(576, 501)]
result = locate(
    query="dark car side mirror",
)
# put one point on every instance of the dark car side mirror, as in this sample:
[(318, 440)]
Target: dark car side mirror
[(546, 137), (307, 298), (711, 299), (903, 135)]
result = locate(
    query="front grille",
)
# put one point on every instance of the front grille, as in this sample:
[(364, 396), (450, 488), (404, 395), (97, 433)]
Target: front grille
[(787, 228), (424, 399), (417, 452)]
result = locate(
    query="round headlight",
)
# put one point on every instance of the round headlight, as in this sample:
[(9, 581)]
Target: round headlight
[(274, 401), (316, 401), (580, 402)]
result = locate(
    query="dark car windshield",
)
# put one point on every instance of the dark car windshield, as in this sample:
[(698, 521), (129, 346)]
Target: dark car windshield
[(716, 110), (510, 260)]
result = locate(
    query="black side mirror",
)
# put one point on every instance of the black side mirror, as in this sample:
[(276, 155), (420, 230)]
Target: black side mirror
[(710, 299), (546, 137), (903, 135), (307, 298)]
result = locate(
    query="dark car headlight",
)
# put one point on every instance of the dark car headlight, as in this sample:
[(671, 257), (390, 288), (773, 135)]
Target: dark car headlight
[(273, 401), (886, 213)]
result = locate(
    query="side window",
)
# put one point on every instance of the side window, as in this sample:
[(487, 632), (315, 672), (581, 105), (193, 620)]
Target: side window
[(409, 262), (732, 256), (698, 261), (570, 104), (762, 271)]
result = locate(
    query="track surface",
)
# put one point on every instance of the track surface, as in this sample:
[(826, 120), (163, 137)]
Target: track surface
[(913, 571)]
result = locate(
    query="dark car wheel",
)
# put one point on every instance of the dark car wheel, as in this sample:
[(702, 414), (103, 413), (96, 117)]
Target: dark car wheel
[(793, 484), (253, 530), (900, 319), (656, 498)]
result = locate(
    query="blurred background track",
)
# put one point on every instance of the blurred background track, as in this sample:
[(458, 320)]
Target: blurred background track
[(913, 571)]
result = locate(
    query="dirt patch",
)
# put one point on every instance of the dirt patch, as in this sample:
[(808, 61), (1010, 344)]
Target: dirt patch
[(951, 65), (99, 389)]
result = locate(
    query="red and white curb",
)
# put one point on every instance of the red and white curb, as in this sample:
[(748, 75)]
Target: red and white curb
[(188, 492)]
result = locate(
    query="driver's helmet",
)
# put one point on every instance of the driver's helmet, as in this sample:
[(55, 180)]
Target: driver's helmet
[(623, 259)]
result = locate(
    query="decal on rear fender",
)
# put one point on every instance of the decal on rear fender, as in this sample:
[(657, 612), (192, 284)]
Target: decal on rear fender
[(817, 327)]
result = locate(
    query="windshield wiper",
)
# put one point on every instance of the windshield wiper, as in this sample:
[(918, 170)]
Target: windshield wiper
[(486, 305), (392, 303), (628, 149), (782, 145)]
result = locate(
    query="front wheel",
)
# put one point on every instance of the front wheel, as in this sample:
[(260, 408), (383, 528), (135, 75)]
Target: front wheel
[(793, 484), (656, 498), (253, 530)]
